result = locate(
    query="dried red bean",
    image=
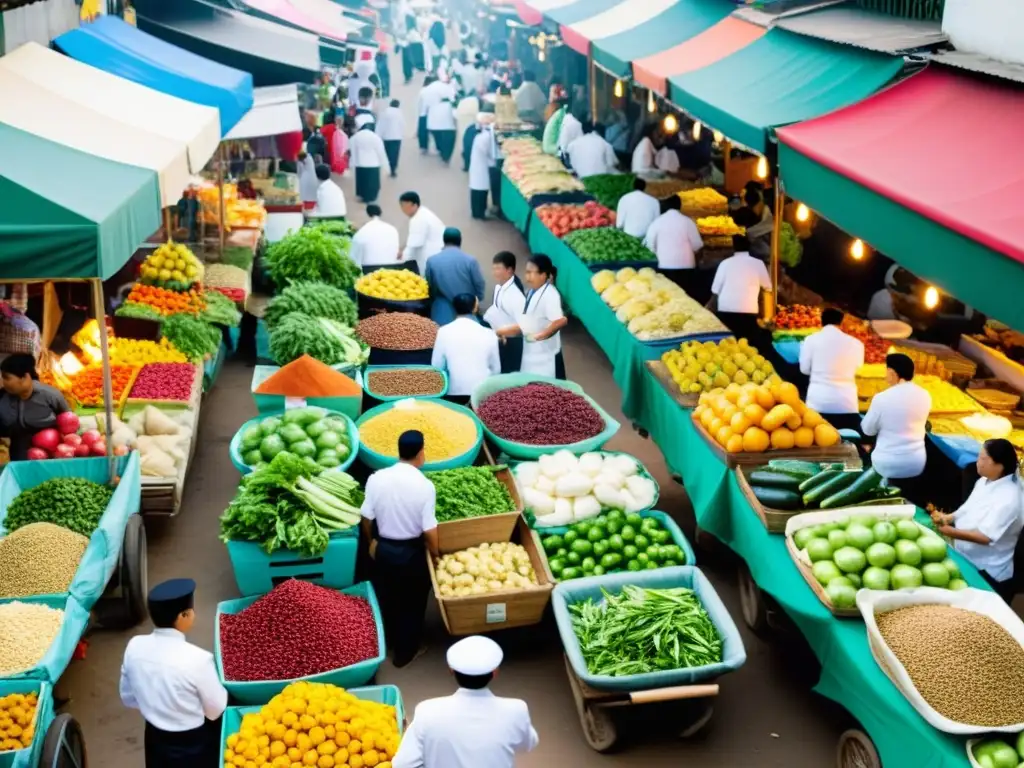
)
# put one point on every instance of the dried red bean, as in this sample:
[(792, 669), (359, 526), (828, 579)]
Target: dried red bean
[(164, 381), (296, 630), (540, 414)]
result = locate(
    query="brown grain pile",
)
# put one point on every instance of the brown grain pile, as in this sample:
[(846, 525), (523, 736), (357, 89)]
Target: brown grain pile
[(406, 382), (398, 331)]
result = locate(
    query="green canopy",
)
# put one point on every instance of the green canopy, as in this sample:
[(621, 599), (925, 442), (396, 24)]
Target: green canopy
[(69, 214), (781, 78)]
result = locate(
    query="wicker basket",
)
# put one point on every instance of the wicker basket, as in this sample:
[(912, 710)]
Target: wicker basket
[(994, 394)]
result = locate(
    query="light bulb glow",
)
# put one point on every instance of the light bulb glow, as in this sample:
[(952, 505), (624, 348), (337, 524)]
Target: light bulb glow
[(762, 168), (803, 213), (540, 55), (718, 136), (618, 89), (670, 124), (652, 105), (931, 297), (696, 131), (857, 249)]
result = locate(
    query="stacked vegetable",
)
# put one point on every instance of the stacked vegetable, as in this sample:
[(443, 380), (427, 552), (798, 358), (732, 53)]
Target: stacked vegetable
[(470, 492), (220, 310), (533, 172), (71, 502), (393, 285), (608, 188), (311, 254), (172, 265), (297, 334), (87, 384), (17, 720), (485, 569), (611, 543), (149, 302), (134, 352), (312, 433), (997, 753), (292, 503), (607, 245), (703, 201), (563, 219), (700, 367), (196, 338), (800, 485), (27, 630), (318, 300), (230, 280)]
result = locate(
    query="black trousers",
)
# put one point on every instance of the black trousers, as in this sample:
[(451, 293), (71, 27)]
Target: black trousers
[(478, 203), (198, 748), (560, 367), (368, 184), (1005, 589), (393, 147), (843, 420), (402, 582), (422, 134), (511, 354), (408, 65), (495, 174), (445, 141)]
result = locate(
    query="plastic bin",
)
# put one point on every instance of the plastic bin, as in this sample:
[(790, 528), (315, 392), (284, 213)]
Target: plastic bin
[(403, 357), (235, 448), (30, 756), (351, 405), (578, 590), (375, 460), (262, 691), (389, 398), (256, 572), (58, 655)]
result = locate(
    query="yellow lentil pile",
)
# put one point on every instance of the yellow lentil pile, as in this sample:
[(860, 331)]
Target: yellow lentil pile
[(17, 720), (27, 631), (39, 559), (447, 433), (967, 667)]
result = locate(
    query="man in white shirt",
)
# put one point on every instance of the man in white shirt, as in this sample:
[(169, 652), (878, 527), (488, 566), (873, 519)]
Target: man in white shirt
[(667, 160), (466, 349), (590, 154), (173, 683), (368, 157), (481, 160), (426, 232), (737, 288), (398, 518), (530, 99), (427, 98), (675, 240), (571, 129), (897, 416), (441, 124), (637, 210), (330, 200), (376, 243), (644, 153), (391, 129), (508, 303), (472, 728), (831, 359)]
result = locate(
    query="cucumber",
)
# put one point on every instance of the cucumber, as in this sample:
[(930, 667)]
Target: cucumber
[(880, 502), (767, 479), (777, 498), (833, 485), (858, 491), (818, 479), (801, 469)]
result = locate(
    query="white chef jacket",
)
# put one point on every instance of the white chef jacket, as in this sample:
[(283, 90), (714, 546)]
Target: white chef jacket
[(433, 94), (171, 682), (466, 113), (441, 117), (590, 155), (667, 160), (738, 282), (898, 416), (330, 200), (570, 130), (375, 243), (367, 149), (470, 729), (308, 182), (994, 509), (643, 156), (481, 160), (426, 237), (391, 124), (542, 308), (675, 240), (881, 307), (636, 212), (469, 352), (831, 358), (507, 304), (402, 501)]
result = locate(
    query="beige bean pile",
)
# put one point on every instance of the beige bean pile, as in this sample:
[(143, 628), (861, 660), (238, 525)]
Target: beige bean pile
[(398, 331), (39, 559), (27, 630), (398, 382), (967, 667)]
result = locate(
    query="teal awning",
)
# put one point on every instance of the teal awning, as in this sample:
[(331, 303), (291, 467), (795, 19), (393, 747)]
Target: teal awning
[(779, 79), (69, 214), (579, 11)]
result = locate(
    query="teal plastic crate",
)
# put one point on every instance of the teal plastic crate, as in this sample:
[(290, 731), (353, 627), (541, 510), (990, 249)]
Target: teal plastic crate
[(235, 448), (262, 691), (578, 590), (529, 451), (375, 460), (29, 757), (58, 655), (351, 406), (256, 572), (391, 398)]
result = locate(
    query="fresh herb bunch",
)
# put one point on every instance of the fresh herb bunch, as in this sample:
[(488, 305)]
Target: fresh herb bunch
[(470, 492), (313, 299), (220, 310), (336, 228), (608, 188), (791, 250), (193, 337), (607, 245), (297, 334), (138, 312), (312, 255), (72, 502)]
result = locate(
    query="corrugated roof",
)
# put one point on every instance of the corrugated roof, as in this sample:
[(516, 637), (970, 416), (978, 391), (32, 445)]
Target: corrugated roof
[(975, 62), (864, 29)]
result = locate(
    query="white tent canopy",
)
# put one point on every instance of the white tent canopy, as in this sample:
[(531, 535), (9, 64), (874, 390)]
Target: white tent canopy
[(275, 110)]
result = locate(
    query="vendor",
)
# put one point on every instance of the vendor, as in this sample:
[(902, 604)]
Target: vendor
[(644, 154), (398, 518), (986, 527), (173, 683), (467, 350), (637, 210), (542, 350), (675, 239), (591, 154), (26, 405), (831, 359), (736, 288), (507, 303)]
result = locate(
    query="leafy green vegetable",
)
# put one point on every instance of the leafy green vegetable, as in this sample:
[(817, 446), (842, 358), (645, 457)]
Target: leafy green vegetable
[(297, 334), (72, 502), (315, 300), (238, 256), (791, 250), (195, 338), (312, 255), (607, 245), (470, 492), (336, 228), (220, 309), (138, 311), (608, 188)]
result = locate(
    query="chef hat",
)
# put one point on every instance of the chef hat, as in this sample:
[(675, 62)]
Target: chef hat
[(169, 599), (475, 655)]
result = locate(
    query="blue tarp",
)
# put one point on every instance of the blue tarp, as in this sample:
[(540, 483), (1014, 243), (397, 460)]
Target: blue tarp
[(119, 48)]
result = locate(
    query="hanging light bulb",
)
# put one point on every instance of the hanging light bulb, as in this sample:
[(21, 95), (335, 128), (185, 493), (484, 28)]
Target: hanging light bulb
[(762, 168), (670, 124), (540, 55), (803, 213), (618, 89), (857, 249), (718, 136), (931, 297), (696, 130), (652, 105)]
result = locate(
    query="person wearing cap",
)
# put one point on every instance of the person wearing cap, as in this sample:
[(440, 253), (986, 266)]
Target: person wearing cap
[(449, 273), (472, 728), (398, 518), (173, 683), (467, 350), (368, 157)]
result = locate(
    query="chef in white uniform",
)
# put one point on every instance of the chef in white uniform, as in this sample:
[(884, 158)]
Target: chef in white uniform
[(426, 232), (472, 728), (376, 244), (897, 417), (831, 359), (507, 303), (467, 350), (541, 322)]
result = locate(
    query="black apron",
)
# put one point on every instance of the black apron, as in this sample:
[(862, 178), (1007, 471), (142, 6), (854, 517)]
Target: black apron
[(198, 748), (402, 582)]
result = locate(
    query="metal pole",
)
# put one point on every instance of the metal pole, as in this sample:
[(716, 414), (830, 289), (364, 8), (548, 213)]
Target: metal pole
[(726, 158), (780, 199), (108, 386), (220, 191), (167, 222), (592, 72)]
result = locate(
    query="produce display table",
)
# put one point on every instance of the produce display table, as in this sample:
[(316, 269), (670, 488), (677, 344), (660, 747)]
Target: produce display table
[(514, 206)]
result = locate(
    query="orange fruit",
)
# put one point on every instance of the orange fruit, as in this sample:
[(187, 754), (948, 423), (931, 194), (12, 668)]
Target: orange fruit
[(782, 439), (812, 418), (734, 444), (763, 397), (740, 423), (755, 440), (755, 413), (825, 435), (803, 437), (715, 425), (723, 434)]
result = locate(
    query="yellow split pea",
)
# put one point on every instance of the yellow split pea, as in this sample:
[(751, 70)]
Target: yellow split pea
[(447, 433)]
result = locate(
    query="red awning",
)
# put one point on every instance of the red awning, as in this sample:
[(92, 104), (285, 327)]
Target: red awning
[(944, 145)]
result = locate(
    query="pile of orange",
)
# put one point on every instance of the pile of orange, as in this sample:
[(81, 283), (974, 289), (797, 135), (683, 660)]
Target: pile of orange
[(87, 384), (167, 302), (758, 417)]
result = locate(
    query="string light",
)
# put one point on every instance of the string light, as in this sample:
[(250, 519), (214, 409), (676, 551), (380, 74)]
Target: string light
[(618, 89), (670, 124), (718, 136), (652, 105), (803, 213), (696, 130), (931, 297), (857, 249), (762, 168)]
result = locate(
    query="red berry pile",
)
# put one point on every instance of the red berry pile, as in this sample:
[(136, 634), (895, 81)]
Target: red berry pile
[(164, 381)]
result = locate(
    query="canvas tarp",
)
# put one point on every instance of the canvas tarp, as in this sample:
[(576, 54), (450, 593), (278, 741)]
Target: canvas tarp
[(275, 110)]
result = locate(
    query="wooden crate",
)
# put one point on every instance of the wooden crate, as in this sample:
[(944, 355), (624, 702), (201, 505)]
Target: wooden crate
[(497, 610), (460, 534), (845, 453), (774, 520), (660, 372)]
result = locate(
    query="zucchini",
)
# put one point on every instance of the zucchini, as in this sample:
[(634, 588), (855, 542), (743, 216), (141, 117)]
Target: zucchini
[(858, 491), (884, 501), (767, 479), (818, 479), (777, 498), (801, 469), (833, 485)]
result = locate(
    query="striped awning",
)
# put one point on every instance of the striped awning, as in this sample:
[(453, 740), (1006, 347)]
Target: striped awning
[(532, 11), (622, 17)]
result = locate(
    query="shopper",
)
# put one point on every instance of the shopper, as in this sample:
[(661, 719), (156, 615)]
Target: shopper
[(376, 244), (676, 241), (897, 418), (173, 683), (543, 319), (481, 160), (26, 405), (330, 200), (441, 124), (737, 288), (571, 128), (368, 157), (398, 519), (590, 154), (637, 210), (831, 359), (507, 303), (426, 232), (391, 129), (472, 728), (467, 350), (364, 112), (530, 99), (553, 127), (450, 273)]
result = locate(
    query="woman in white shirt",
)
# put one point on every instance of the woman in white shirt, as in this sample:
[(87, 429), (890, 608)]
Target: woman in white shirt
[(898, 417), (543, 319), (644, 155), (987, 526), (368, 157)]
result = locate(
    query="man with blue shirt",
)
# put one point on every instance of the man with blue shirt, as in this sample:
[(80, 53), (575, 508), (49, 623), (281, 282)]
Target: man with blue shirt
[(449, 273)]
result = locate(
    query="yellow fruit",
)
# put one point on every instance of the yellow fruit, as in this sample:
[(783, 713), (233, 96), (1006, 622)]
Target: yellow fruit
[(755, 440), (777, 417), (740, 423), (803, 437), (788, 394), (715, 425), (794, 421), (755, 413), (735, 444), (782, 439), (825, 435), (723, 434), (812, 418), (763, 397)]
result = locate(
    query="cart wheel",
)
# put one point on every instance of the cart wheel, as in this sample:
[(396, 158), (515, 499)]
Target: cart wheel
[(702, 712), (598, 726), (856, 750), (63, 745), (129, 608), (752, 603)]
